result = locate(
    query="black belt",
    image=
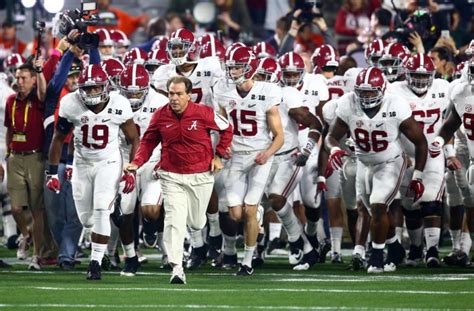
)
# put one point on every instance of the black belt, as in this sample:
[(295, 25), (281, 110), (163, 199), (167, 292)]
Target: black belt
[(25, 153), (285, 152)]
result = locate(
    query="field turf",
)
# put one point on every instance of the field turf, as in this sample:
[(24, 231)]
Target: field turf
[(274, 286)]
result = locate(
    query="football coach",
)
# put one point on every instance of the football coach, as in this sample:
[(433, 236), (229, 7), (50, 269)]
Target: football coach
[(187, 166)]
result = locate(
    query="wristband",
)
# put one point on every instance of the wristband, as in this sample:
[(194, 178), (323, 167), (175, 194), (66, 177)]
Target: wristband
[(320, 179), (334, 149), (53, 169), (308, 148), (449, 151), (417, 175)]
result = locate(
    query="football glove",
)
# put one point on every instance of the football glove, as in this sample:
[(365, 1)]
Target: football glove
[(129, 180)]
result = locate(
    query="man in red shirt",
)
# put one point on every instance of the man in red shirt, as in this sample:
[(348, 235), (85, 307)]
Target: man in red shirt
[(187, 164), (25, 166)]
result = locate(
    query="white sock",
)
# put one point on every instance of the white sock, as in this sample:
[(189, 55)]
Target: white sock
[(320, 229), (9, 225), (129, 250), (274, 229), (432, 237), (359, 249), (416, 236), (229, 245), (378, 246), (248, 254), (214, 229), (196, 238), (398, 233), (290, 222), (311, 228), (98, 251), (466, 242), (456, 238), (336, 238)]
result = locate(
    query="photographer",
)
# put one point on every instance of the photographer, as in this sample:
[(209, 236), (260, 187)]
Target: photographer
[(298, 24)]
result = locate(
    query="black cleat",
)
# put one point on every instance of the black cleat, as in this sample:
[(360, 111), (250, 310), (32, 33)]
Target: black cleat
[(452, 258), (376, 261), (215, 246), (229, 262), (324, 249), (395, 254), (259, 256), (463, 260), (415, 255), (357, 262), (93, 271), (313, 239), (309, 260), (245, 271), (198, 258), (432, 258), (296, 251), (274, 245), (131, 266)]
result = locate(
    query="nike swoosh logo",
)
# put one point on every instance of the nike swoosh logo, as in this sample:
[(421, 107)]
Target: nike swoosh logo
[(169, 125), (197, 83), (250, 106), (105, 120), (379, 125)]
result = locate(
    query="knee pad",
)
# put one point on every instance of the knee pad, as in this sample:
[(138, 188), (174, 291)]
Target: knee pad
[(86, 219), (101, 222), (312, 214), (416, 213), (227, 224), (433, 208)]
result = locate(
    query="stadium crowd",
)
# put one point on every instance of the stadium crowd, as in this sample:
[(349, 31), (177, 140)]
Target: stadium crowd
[(312, 128)]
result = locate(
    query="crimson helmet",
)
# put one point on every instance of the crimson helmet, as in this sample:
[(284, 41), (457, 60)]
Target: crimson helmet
[(120, 39), (156, 58), (392, 59), (134, 84), (160, 43), (370, 87), (268, 69), (12, 62), (113, 67), (420, 72), (292, 67), (233, 46), (212, 48), (240, 58), (135, 56), (325, 58), (203, 40), (105, 38), (263, 49), (91, 76), (374, 51), (180, 45)]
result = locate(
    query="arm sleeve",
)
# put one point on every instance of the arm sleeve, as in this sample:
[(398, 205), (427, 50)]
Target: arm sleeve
[(149, 141), (60, 76), (49, 67), (63, 125), (218, 123), (94, 56)]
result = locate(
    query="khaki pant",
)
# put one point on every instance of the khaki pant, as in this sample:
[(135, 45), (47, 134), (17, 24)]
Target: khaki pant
[(186, 197), (25, 180)]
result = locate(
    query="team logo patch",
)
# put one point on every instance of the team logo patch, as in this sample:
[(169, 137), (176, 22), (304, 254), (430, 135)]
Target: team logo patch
[(412, 106), (232, 104), (468, 108), (359, 123), (84, 119)]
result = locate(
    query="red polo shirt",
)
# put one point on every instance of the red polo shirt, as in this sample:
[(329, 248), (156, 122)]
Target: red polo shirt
[(186, 146), (33, 127)]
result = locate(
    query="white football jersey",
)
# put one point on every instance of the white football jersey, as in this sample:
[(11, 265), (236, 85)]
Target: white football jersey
[(96, 136), (463, 101), (248, 115), (339, 85), (427, 111), (376, 139), (314, 90), (291, 98), (142, 117), (205, 75)]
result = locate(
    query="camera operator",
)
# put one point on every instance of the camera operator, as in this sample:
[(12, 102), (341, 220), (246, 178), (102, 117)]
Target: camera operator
[(298, 24)]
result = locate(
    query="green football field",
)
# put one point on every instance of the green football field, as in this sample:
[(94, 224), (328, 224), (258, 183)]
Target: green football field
[(274, 286)]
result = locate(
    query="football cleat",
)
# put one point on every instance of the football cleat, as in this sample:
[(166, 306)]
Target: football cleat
[(258, 256), (463, 260), (357, 262), (215, 245), (296, 251), (245, 271), (309, 260), (432, 258), (336, 258), (35, 263), (229, 262), (23, 246), (313, 239), (324, 249), (395, 254), (389, 267), (198, 257), (275, 246), (178, 276), (452, 258), (375, 261), (131, 266), (93, 271), (415, 256), (165, 264)]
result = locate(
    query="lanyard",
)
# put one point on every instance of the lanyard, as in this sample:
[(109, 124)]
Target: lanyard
[(25, 116)]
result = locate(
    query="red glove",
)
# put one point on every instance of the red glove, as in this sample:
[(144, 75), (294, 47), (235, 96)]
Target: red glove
[(321, 185), (335, 158), (329, 170), (129, 180), (416, 188), (436, 147), (52, 182), (68, 172)]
